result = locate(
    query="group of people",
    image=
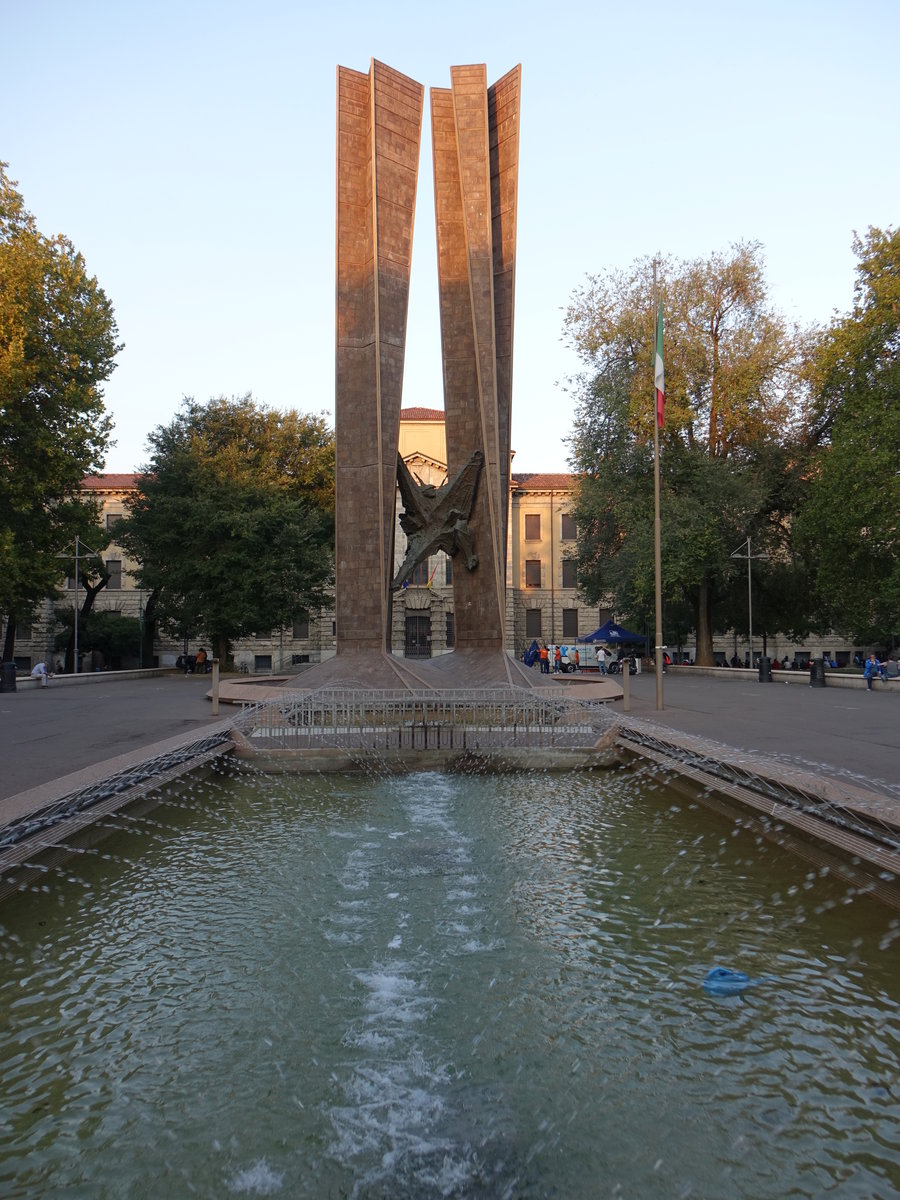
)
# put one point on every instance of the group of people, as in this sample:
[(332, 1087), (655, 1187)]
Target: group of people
[(560, 659), (875, 669), (194, 664)]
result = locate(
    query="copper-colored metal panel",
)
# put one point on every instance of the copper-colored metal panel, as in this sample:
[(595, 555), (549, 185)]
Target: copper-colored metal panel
[(379, 121), (475, 148)]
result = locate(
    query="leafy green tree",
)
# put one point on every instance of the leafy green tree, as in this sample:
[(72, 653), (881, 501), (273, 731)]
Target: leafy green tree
[(851, 524), (233, 524), (111, 633), (729, 454), (57, 346)]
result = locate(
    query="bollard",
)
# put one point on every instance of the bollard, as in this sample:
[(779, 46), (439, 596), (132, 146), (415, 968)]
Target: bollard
[(215, 687), (765, 669), (8, 677), (817, 672)]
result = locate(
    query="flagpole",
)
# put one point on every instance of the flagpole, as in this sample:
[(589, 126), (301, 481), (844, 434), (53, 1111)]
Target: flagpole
[(657, 554)]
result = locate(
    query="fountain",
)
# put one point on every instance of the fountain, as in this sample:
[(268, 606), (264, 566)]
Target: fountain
[(444, 985)]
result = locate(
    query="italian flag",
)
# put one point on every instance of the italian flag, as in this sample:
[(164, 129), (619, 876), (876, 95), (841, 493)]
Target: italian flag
[(659, 378)]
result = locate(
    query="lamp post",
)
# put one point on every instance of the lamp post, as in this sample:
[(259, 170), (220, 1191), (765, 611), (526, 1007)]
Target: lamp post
[(746, 553), (79, 553)]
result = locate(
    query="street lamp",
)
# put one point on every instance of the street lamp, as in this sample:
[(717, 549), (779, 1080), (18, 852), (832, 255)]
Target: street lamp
[(80, 548), (746, 553)]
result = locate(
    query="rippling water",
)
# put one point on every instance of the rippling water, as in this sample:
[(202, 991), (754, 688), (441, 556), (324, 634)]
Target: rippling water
[(444, 986)]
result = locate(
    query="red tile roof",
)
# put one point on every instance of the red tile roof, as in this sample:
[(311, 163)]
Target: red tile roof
[(544, 481), (102, 483), (421, 414)]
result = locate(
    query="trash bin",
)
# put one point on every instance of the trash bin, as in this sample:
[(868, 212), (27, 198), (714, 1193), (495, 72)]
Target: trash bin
[(817, 672), (7, 677), (765, 669)]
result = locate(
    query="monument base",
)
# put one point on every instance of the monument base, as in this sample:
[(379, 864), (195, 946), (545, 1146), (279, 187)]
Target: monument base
[(373, 670)]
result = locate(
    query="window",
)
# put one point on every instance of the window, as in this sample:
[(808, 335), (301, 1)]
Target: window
[(297, 659), (532, 622), (569, 573), (450, 628), (570, 622), (419, 577), (301, 628), (569, 531), (23, 631), (532, 572), (532, 527), (113, 519), (448, 571), (262, 662), (114, 566)]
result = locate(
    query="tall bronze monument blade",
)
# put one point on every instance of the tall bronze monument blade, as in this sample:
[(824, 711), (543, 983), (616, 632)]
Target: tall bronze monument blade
[(473, 135), (379, 125), (503, 121)]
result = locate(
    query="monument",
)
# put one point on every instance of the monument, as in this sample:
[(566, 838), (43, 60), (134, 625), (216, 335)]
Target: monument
[(475, 148), (475, 138)]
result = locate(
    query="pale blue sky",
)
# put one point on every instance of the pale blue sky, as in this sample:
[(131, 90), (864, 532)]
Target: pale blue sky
[(188, 151)]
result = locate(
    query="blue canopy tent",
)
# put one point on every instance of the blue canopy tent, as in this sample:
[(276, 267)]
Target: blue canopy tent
[(616, 634)]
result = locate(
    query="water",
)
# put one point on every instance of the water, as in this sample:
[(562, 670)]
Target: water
[(439, 986)]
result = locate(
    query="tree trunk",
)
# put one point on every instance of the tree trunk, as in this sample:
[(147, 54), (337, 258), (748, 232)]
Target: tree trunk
[(148, 630), (9, 642), (90, 595), (221, 650), (705, 657)]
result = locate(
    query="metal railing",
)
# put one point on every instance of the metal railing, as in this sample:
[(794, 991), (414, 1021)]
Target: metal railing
[(459, 719)]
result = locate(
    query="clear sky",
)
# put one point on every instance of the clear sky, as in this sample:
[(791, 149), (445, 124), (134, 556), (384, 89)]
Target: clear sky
[(188, 150)]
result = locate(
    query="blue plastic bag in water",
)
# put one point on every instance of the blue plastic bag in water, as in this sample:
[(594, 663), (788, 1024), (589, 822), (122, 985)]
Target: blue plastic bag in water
[(721, 981)]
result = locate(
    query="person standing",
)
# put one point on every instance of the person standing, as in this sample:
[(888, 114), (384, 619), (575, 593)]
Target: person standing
[(557, 660), (601, 660), (545, 660)]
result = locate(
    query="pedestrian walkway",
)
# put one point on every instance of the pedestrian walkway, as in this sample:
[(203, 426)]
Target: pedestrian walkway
[(48, 733), (840, 733)]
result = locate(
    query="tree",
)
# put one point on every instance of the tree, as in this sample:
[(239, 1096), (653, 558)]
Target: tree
[(57, 346), (109, 633), (851, 523), (233, 523), (729, 448)]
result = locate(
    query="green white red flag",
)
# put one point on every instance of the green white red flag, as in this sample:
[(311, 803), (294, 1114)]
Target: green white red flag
[(659, 378)]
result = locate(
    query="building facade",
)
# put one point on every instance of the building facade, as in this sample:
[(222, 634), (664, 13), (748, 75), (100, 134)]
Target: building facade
[(542, 598)]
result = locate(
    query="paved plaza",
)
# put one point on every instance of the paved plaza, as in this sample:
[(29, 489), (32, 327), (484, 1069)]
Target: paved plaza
[(837, 732)]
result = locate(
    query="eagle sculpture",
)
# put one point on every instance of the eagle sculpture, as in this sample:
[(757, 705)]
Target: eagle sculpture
[(437, 518)]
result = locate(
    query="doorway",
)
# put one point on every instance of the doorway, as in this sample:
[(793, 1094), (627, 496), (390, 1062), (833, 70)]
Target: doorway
[(418, 635)]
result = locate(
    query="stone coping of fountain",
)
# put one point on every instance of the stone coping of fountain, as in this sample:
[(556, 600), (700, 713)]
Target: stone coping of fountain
[(680, 748)]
